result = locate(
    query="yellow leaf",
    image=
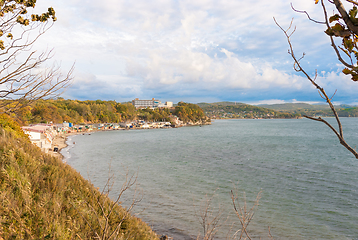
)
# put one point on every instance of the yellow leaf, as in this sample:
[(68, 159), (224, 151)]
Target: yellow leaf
[(316, 1), (346, 71)]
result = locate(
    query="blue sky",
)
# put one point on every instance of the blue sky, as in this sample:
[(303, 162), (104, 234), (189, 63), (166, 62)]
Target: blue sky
[(193, 51)]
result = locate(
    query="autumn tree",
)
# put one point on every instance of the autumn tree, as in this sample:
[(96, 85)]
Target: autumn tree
[(24, 75), (189, 112), (342, 30)]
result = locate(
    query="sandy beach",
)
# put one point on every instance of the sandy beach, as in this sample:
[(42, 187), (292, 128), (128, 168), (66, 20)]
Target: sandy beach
[(59, 142)]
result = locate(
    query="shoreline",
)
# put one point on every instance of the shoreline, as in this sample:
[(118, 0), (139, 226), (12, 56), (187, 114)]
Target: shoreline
[(60, 141), (165, 232)]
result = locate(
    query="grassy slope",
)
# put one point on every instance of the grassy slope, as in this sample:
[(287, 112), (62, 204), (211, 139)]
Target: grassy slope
[(43, 198)]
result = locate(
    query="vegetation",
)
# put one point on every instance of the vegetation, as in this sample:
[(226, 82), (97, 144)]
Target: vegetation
[(287, 110), (188, 112), (154, 115), (57, 111), (60, 110), (24, 74), (314, 110), (43, 198), (241, 110)]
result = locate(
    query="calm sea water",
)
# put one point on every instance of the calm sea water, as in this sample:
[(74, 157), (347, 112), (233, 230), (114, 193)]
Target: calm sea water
[(308, 180)]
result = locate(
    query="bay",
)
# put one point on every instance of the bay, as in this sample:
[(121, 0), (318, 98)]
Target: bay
[(308, 180)]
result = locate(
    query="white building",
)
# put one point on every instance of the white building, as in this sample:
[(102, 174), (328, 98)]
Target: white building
[(137, 103), (145, 103), (41, 135)]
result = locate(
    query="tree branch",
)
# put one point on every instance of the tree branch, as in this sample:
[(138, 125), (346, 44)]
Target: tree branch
[(323, 94), (345, 16)]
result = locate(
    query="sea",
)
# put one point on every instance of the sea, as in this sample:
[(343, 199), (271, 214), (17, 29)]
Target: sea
[(306, 180)]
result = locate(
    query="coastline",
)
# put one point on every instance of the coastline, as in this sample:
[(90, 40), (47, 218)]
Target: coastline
[(60, 141), (163, 232)]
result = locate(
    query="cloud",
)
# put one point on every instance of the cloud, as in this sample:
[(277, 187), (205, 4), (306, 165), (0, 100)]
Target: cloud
[(219, 50), (212, 72)]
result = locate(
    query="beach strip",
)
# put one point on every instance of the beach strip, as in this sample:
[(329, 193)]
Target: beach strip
[(59, 142)]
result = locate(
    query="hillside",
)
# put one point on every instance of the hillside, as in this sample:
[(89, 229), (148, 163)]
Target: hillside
[(295, 106), (241, 110), (286, 110), (314, 110), (78, 112), (43, 198)]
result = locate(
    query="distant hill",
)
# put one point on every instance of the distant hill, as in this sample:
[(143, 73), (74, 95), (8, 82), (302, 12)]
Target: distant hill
[(286, 110), (221, 104), (314, 109), (295, 106), (242, 110)]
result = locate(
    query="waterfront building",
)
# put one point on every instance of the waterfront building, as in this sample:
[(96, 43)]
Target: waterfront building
[(154, 103), (137, 103), (41, 135)]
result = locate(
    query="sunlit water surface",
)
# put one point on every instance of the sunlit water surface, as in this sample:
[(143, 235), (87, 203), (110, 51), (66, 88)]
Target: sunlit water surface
[(308, 180)]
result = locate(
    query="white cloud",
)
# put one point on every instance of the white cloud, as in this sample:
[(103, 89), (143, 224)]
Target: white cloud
[(206, 46), (212, 72)]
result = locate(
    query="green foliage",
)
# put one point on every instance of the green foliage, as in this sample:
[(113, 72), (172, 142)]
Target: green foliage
[(343, 26), (241, 110), (16, 9), (154, 115), (57, 111), (348, 112), (188, 112), (314, 110), (10, 126), (43, 198)]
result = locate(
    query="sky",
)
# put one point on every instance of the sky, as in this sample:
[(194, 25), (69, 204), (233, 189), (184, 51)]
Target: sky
[(192, 51)]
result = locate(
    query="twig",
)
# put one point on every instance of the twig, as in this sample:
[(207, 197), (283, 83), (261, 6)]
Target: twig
[(322, 93), (308, 16)]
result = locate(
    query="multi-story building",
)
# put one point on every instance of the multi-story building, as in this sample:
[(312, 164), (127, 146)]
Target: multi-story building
[(145, 103), (137, 103)]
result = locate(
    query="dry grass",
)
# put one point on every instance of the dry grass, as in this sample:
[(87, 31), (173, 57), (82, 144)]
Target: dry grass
[(41, 197)]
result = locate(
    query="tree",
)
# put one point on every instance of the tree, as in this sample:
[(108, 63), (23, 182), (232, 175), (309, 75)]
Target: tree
[(340, 26), (24, 77), (189, 112)]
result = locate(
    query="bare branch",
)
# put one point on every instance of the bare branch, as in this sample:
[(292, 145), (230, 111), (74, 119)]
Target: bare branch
[(333, 94), (209, 220), (269, 234), (323, 94), (244, 214), (351, 1), (106, 210), (308, 16), (23, 76)]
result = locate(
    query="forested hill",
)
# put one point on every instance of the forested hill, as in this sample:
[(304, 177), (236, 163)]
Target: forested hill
[(314, 109), (74, 111), (287, 110), (241, 110)]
